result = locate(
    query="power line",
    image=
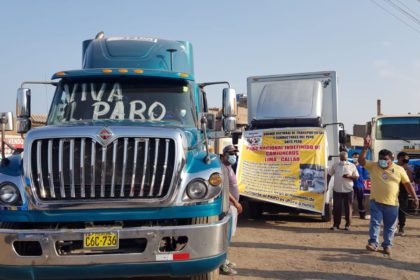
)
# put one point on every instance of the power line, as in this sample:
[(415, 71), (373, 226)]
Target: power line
[(403, 11), (408, 8), (395, 16)]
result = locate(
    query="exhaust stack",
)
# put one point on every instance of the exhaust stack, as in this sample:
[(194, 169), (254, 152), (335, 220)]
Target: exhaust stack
[(378, 107)]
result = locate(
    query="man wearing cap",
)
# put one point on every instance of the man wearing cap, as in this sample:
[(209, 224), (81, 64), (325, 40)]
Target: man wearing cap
[(229, 158)]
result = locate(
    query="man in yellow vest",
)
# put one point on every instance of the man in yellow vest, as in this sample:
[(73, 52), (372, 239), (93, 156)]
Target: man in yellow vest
[(385, 178)]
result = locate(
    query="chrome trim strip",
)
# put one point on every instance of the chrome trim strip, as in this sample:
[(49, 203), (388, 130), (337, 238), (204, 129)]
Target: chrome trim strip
[(165, 165), (92, 169), (133, 177), (152, 184), (114, 160), (60, 168), (82, 167), (216, 233), (71, 159), (39, 169), (103, 170), (50, 172), (146, 159), (124, 167)]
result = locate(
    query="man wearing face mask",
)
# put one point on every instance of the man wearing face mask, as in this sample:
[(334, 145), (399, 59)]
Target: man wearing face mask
[(229, 158), (403, 159), (344, 173), (386, 178)]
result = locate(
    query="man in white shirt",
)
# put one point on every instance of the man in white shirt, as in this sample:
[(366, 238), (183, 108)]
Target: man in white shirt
[(344, 173)]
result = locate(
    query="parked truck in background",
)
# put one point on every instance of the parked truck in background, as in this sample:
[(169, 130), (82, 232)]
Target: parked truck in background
[(397, 133), (119, 182), (287, 110)]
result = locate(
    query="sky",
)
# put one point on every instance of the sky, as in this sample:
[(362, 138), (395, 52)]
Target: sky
[(376, 56)]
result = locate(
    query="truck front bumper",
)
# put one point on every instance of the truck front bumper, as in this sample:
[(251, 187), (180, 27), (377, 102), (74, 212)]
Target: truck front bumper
[(205, 241)]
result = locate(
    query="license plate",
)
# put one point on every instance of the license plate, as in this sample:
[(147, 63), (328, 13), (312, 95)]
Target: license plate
[(101, 240)]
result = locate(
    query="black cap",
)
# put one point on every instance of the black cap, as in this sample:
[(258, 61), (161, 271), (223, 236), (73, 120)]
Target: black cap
[(229, 149)]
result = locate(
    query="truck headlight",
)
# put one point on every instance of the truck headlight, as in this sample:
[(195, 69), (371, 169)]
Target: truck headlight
[(9, 194), (196, 189)]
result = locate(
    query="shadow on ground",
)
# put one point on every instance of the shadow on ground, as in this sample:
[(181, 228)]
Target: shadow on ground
[(300, 275)]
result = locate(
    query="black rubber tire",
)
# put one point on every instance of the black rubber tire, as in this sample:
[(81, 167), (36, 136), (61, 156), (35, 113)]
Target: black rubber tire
[(212, 275), (328, 213), (253, 209)]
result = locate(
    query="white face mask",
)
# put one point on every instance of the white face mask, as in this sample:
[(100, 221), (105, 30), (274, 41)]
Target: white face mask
[(232, 159), (183, 112)]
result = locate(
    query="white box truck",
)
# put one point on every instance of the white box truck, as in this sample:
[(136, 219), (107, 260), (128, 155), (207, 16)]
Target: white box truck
[(292, 138)]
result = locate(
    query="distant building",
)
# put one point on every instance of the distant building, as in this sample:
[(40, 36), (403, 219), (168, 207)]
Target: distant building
[(359, 130), (15, 140)]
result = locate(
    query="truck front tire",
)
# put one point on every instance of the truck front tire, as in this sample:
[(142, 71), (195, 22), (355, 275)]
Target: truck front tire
[(253, 209), (327, 213), (212, 275)]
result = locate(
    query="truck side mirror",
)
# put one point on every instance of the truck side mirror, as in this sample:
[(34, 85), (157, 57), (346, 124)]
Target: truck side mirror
[(342, 136), (23, 110), (6, 120), (230, 110), (369, 128)]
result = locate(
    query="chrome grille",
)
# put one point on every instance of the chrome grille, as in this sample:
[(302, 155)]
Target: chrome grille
[(83, 169)]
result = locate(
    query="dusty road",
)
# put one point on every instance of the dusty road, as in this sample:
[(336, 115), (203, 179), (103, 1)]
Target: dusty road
[(301, 247)]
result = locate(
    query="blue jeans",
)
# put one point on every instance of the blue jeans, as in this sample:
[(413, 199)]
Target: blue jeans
[(387, 213)]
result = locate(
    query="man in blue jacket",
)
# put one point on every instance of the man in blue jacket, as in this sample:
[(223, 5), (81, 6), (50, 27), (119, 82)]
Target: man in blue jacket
[(359, 186)]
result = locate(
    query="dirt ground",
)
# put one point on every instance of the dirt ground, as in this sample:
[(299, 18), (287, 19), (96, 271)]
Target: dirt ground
[(302, 247)]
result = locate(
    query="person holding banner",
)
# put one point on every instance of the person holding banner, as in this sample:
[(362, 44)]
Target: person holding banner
[(344, 173), (386, 178)]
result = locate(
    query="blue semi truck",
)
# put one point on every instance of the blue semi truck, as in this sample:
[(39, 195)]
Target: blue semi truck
[(120, 181)]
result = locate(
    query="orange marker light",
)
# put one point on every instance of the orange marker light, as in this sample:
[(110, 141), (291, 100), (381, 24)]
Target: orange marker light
[(215, 179), (183, 75), (60, 73), (138, 71), (122, 70), (107, 70)]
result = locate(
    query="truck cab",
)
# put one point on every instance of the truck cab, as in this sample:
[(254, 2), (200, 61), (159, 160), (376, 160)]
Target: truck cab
[(397, 133), (120, 182)]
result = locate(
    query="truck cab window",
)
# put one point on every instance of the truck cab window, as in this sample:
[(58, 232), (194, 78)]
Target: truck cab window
[(407, 128), (146, 100)]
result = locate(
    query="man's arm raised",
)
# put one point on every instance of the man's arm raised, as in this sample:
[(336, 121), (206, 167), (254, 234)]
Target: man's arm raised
[(366, 145)]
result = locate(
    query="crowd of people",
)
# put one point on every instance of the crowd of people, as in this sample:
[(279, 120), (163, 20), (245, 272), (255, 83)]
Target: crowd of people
[(390, 188)]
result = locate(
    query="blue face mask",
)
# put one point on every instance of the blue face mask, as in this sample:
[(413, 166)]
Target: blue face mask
[(232, 159), (383, 163)]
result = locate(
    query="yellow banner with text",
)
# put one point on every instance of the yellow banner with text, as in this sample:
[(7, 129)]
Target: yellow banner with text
[(285, 166)]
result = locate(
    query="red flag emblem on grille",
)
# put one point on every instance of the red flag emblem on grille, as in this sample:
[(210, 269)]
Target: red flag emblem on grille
[(105, 134)]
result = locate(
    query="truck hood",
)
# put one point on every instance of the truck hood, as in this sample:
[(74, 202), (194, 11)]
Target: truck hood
[(191, 134)]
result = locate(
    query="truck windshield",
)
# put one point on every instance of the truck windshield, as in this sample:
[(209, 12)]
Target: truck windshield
[(404, 128), (123, 99)]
